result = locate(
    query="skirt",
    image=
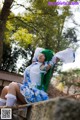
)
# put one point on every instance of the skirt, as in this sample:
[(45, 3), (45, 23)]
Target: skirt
[(31, 93)]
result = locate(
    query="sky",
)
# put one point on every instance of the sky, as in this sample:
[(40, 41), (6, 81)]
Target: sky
[(18, 9), (69, 24)]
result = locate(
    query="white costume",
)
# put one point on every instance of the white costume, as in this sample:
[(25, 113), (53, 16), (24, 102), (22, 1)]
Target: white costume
[(66, 56), (34, 72)]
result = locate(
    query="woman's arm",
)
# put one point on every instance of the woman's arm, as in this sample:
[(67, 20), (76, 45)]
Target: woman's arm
[(44, 67)]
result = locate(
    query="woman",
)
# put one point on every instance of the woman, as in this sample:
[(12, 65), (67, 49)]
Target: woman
[(28, 91)]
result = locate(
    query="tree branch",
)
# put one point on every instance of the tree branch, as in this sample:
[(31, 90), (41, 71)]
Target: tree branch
[(6, 10), (25, 23), (75, 22)]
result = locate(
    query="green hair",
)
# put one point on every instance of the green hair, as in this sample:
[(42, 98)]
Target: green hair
[(48, 54)]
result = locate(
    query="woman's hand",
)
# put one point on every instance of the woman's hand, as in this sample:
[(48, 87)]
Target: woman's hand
[(48, 67), (45, 68)]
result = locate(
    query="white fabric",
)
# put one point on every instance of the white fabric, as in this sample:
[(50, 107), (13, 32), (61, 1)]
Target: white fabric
[(2, 102), (66, 56), (36, 53), (27, 70), (35, 75), (10, 95), (11, 99)]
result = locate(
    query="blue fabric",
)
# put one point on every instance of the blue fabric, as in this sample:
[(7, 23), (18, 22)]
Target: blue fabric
[(31, 93)]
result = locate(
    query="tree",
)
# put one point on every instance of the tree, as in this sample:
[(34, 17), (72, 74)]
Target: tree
[(9, 58), (11, 55), (41, 25), (71, 35), (49, 24), (3, 19)]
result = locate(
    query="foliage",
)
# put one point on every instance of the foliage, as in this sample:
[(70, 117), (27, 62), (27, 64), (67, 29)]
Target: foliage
[(50, 24), (23, 36), (71, 35), (9, 59), (11, 53), (70, 80), (41, 25)]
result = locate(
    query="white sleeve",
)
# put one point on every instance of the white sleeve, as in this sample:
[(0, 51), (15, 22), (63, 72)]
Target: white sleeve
[(26, 73), (66, 56)]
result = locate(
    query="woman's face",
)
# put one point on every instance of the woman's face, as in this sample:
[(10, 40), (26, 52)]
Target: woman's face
[(41, 58)]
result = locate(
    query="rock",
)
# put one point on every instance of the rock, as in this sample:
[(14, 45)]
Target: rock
[(53, 92), (55, 109), (67, 109), (52, 109)]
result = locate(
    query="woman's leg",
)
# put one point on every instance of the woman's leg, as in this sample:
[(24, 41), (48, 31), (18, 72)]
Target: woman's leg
[(2, 97), (4, 92), (15, 91)]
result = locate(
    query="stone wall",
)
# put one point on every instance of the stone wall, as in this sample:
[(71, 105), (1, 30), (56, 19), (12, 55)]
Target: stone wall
[(7, 77), (53, 109), (56, 109)]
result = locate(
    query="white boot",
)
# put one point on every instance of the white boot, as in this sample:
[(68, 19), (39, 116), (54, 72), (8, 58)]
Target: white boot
[(2, 102), (11, 99)]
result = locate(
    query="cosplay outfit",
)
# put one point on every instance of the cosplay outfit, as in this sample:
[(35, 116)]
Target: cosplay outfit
[(34, 88), (31, 88), (36, 80)]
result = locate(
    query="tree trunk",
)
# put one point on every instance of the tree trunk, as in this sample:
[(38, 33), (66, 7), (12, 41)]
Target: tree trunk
[(3, 19)]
